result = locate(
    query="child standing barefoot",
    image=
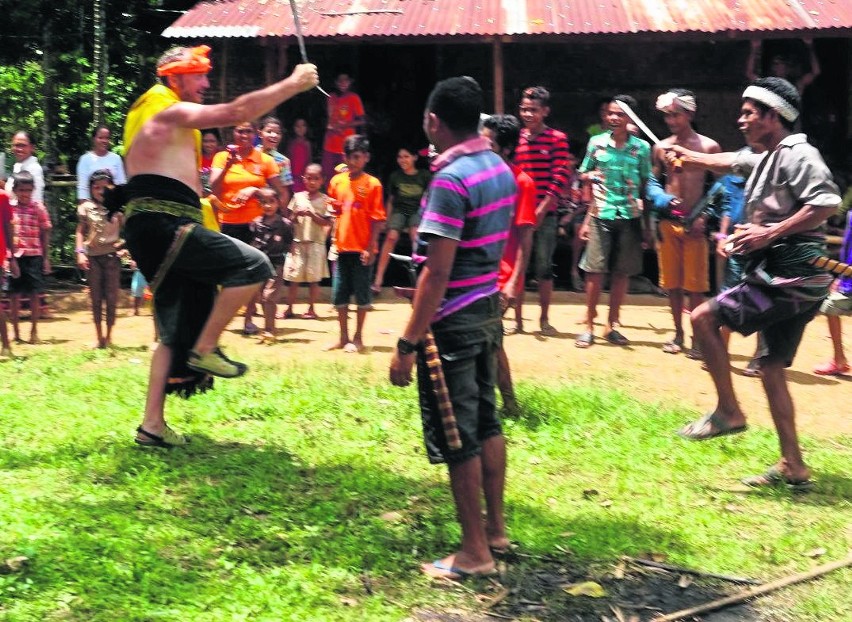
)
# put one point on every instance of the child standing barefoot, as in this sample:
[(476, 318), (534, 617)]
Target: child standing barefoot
[(306, 262), (32, 244), (359, 214), (97, 241), (272, 234)]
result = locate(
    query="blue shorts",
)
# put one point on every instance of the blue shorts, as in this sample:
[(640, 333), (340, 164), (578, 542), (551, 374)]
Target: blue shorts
[(351, 277)]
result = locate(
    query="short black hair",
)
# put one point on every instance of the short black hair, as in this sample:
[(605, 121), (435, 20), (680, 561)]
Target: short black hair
[(26, 134), (507, 130), (783, 89), (356, 142), (100, 127), (22, 178), (627, 99), (682, 92), (270, 120), (457, 102), (537, 93)]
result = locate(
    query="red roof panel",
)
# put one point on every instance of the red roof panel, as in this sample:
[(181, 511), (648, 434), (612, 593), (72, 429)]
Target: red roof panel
[(477, 18)]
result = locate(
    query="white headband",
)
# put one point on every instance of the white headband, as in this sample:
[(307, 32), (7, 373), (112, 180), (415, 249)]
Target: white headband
[(773, 100), (667, 100)]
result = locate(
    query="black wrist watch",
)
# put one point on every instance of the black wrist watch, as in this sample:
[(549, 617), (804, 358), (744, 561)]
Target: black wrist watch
[(405, 347)]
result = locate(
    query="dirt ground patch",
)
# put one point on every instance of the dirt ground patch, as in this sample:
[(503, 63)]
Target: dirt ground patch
[(641, 369)]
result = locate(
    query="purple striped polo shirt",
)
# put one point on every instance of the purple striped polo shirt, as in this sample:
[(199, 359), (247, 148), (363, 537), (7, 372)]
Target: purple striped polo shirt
[(471, 199)]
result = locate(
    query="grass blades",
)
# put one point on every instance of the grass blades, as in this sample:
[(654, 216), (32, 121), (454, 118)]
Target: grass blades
[(305, 495)]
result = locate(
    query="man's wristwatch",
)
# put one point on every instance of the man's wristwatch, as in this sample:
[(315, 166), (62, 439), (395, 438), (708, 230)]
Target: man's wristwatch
[(405, 347)]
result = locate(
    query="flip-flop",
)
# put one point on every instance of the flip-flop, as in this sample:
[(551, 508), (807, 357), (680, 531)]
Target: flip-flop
[(453, 573), (503, 550), (169, 439), (831, 369), (752, 370), (707, 427), (547, 330), (616, 338), (774, 478), (673, 347), (585, 340), (309, 315)]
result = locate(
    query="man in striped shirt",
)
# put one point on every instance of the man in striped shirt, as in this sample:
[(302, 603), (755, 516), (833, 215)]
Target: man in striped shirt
[(543, 155), (466, 216)]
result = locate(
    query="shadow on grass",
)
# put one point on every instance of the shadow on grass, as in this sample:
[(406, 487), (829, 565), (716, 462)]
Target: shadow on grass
[(146, 533)]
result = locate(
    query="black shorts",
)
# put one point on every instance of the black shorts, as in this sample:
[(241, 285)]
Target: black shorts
[(468, 342), (207, 259), (776, 312), (351, 277), (32, 276)]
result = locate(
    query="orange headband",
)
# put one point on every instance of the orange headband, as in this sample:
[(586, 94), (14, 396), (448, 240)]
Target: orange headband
[(196, 63)]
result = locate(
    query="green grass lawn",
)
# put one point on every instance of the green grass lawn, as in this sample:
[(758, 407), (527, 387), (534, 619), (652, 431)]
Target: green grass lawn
[(279, 509)]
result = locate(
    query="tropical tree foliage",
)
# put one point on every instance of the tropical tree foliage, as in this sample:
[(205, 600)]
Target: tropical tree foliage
[(47, 77)]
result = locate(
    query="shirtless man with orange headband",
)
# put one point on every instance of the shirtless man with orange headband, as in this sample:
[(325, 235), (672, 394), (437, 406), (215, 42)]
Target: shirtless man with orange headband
[(184, 262)]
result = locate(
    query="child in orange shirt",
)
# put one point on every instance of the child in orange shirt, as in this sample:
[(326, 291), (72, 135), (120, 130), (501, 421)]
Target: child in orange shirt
[(358, 211)]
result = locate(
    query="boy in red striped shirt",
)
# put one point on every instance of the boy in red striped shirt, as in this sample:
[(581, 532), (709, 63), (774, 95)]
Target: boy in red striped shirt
[(542, 154)]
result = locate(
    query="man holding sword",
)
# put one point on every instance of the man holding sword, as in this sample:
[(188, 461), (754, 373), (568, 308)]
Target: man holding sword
[(618, 166), (789, 195)]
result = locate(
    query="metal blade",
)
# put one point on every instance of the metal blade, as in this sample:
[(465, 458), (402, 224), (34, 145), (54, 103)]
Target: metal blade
[(639, 123)]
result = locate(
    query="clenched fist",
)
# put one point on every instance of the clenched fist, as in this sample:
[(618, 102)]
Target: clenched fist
[(305, 76)]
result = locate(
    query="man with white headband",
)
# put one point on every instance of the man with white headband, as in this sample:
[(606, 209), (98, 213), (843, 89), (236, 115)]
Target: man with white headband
[(200, 278), (682, 251), (789, 195)]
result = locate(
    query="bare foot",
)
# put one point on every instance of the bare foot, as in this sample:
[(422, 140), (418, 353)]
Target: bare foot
[(339, 345), (359, 345)]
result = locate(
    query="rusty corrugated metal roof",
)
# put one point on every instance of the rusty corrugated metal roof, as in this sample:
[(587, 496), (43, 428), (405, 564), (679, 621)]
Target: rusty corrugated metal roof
[(486, 18)]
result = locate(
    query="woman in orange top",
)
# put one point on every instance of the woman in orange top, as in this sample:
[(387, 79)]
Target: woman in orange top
[(235, 177)]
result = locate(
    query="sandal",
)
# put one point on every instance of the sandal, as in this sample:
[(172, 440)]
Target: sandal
[(439, 570), (675, 346), (309, 315), (547, 330), (169, 438), (752, 370), (709, 426), (775, 478), (831, 369), (585, 340), (616, 338)]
